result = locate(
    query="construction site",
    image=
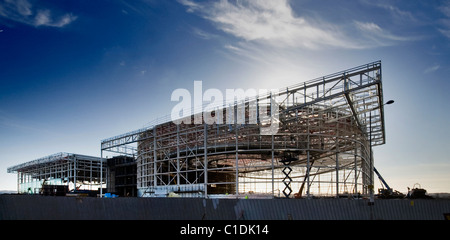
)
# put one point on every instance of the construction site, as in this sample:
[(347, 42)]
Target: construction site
[(313, 141), (60, 174), (326, 128)]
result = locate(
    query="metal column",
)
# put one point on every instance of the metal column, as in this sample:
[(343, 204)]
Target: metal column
[(74, 173), (356, 169), (237, 157), (273, 170), (154, 158), (101, 173), (178, 155), (308, 170), (205, 152), (337, 174)]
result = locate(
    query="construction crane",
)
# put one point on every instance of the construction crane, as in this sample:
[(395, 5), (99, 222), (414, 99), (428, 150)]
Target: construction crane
[(386, 191)]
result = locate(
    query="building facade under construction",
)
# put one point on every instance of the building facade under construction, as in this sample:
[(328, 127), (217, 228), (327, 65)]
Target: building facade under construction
[(60, 173), (322, 146)]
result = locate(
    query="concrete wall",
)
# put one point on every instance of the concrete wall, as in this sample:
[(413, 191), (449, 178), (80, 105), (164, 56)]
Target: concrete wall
[(40, 207)]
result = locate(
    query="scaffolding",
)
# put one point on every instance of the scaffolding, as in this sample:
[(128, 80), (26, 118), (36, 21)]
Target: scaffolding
[(326, 128), (74, 171)]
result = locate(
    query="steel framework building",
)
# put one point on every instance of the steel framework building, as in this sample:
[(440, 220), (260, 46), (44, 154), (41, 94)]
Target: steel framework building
[(72, 170), (326, 128)]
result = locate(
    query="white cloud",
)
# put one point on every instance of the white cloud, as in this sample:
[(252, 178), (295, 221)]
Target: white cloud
[(272, 22), (65, 20), (23, 7), (276, 24), (280, 43), (395, 12), (445, 8), (192, 6), (24, 12), (445, 32), (202, 34), (42, 18), (445, 22), (432, 68), (377, 35)]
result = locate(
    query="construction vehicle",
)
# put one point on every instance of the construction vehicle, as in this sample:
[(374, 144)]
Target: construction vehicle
[(418, 192), (387, 192)]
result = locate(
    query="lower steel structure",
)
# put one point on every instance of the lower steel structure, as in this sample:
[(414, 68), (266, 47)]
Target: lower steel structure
[(69, 171), (321, 146)]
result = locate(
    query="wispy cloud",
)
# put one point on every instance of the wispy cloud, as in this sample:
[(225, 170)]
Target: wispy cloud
[(192, 6), (377, 35), (444, 28), (433, 68), (141, 8), (277, 40), (24, 12), (395, 12), (271, 22), (202, 34), (445, 8), (445, 32), (276, 24)]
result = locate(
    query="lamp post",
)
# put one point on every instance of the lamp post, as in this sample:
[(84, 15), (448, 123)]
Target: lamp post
[(371, 187)]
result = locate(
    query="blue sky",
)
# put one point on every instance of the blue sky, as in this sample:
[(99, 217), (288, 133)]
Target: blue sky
[(76, 72)]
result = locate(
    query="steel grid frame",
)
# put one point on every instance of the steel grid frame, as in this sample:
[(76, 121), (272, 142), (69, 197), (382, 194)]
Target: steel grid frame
[(72, 170), (326, 127)]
